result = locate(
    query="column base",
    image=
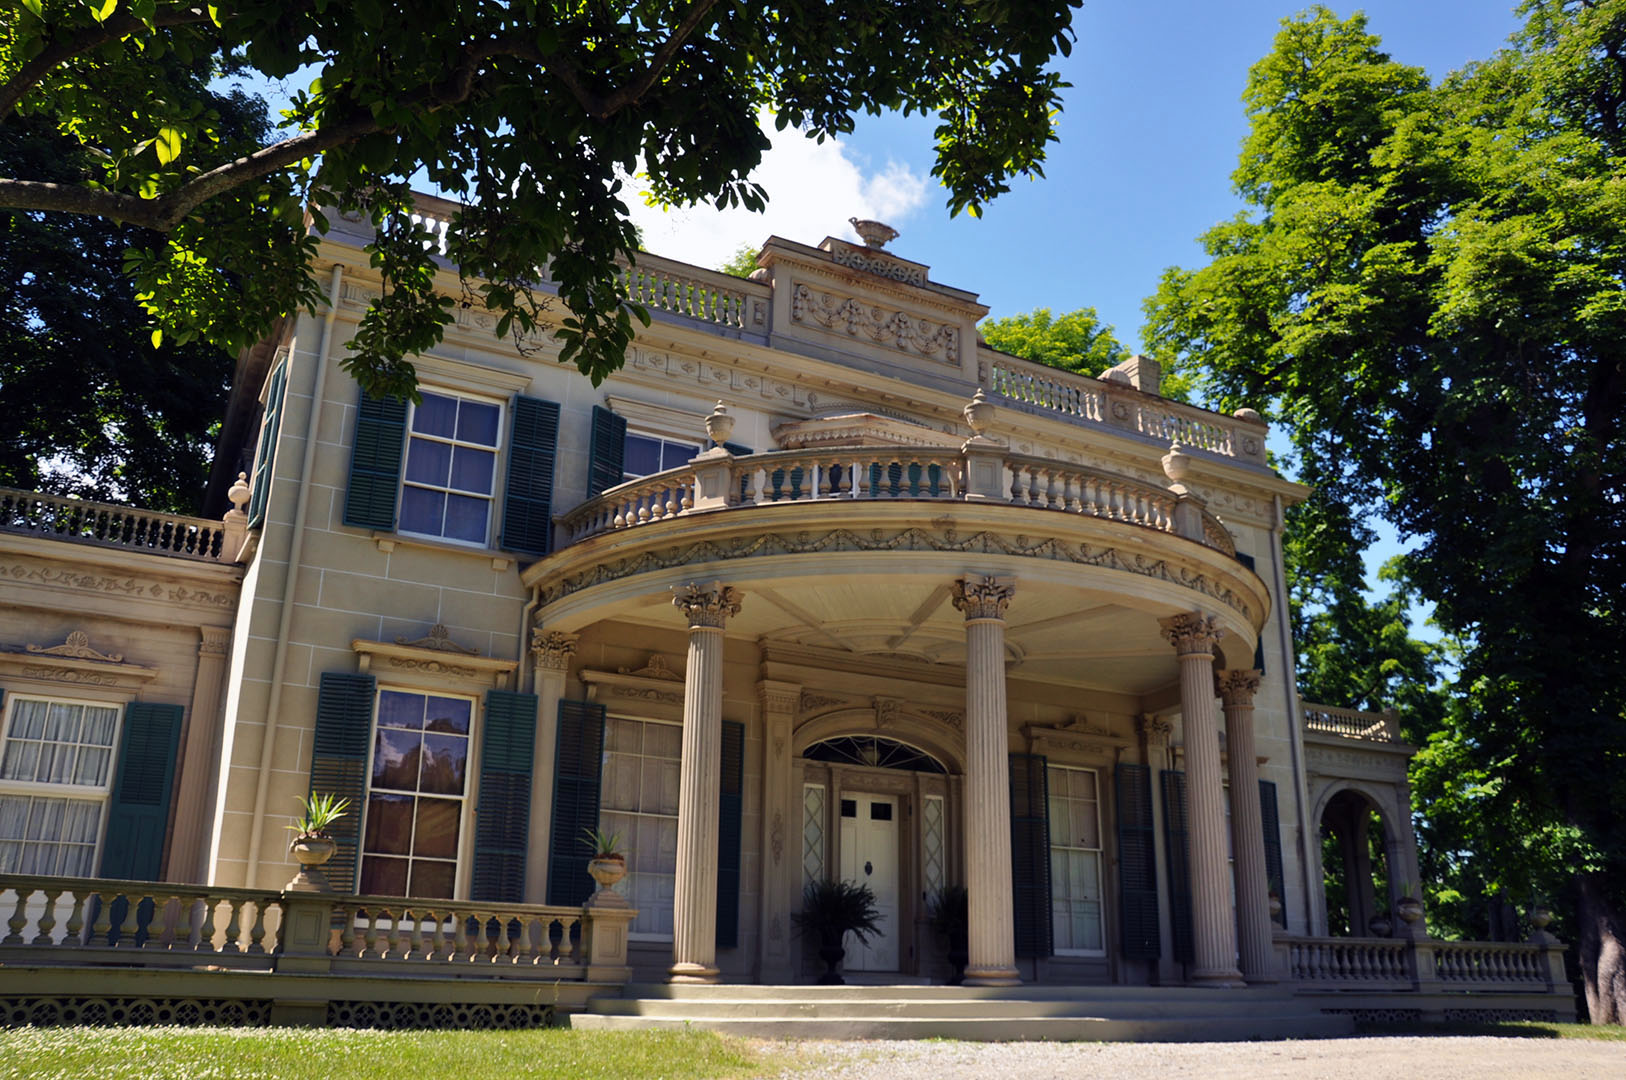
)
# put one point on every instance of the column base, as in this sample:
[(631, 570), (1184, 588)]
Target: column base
[(1268, 979), (991, 977), (1218, 979), (688, 972)]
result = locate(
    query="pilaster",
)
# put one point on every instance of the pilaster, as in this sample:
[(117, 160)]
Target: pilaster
[(551, 654), (781, 828), (1236, 690), (189, 840)]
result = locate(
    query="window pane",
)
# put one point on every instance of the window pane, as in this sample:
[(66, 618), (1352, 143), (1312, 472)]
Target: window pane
[(395, 759), (436, 415), (437, 828), (432, 880), (675, 454), (422, 510), (28, 719), (389, 824), (383, 877), (663, 740), (398, 710), (21, 759), (466, 518), (62, 723), (623, 736), (448, 714), (471, 469), (99, 726), (641, 456), (445, 761), (428, 462), (477, 422)]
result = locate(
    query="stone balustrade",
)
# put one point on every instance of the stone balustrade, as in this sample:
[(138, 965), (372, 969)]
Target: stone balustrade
[(703, 295), (1481, 963), (1368, 962), (1535, 966), (881, 473), (1351, 723), (459, 935), (109, 525)]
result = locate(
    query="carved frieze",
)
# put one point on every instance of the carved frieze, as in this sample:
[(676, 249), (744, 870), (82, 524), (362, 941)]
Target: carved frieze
[(815, 702), (431, 667), (118, 586), (896, 329), (874, 262), (647, 693)]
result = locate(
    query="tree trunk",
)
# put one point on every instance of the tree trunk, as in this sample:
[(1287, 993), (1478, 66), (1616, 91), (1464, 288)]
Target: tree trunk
[(1602, 948)]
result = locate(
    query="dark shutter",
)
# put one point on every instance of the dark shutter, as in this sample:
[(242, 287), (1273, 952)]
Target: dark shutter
[(503, 815), (138, 818), (577, 765), (1137, 864), (1177, 850), (606, 451), (1270, 821), (728, 835), (1030, 854), (1259, 646), (527, 512), (344, 730), (264, 461), (375, 463)]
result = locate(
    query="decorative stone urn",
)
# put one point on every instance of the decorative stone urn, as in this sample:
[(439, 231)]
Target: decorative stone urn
[(719, 425), (875, 233), (606, 870), (979, 413), (312, 852), (1540, 917), (1176, 464), (1379, 925), (1409, 908), (1275, 906)]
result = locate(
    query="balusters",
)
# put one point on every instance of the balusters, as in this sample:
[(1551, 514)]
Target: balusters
[(234, 926), (19, 919), (565, 946), (347, 932), (132, 924), (438, 939)]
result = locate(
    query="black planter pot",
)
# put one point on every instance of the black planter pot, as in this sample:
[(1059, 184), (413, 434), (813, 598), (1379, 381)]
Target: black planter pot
[(958, 958), (832, 953)]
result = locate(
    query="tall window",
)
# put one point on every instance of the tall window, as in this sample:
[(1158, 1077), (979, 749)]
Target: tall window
[(451, 467), (1075, 861), (933, 849), (812, 833), (639, 801), (646, 454), (414, 816), (56, 768)]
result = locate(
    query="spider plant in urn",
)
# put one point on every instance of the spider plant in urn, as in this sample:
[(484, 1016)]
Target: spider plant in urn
[(832, 910), (312, 845), (608, 864)]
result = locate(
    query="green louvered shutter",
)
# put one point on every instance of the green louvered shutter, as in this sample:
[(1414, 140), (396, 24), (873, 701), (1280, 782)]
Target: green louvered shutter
[(1137, 864), (1030, 854), (1270, 821), (527, 512), (606, 451), (375, 463), (503, 817), (728, 835), (344, 729), (265, 460), (1177, 851), (577, 765), (138, 818)]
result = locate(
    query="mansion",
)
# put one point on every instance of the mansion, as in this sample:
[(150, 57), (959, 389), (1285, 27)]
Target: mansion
[(818, 586)]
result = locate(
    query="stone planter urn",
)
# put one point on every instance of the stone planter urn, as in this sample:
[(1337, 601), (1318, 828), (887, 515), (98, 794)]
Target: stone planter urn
[(719, 425), (979, 413), (607, 870), (1409, 908), (1540, 917), (832, 952), (1380, 926), (312, 852), (1275, 908)]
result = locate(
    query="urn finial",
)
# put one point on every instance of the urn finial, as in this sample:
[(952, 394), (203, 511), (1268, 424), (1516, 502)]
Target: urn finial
[(979, 413), (719, 425), (875, 233)]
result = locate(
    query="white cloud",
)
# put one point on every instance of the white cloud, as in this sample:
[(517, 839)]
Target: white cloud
[(813, 188)]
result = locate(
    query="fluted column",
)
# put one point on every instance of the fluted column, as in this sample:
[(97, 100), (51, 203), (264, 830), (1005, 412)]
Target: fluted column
[(1213, 931), (551, 652), (694, 900), (1253, 932), (992, 937)]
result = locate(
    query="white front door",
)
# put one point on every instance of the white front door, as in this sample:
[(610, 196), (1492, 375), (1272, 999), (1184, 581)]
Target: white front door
[(869, 856)]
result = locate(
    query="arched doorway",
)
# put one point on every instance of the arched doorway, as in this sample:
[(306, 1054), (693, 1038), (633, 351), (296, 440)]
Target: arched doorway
[(1355, 866)]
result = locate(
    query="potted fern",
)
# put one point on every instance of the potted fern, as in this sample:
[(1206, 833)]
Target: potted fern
[(312, 844), (830, 911), (608, 863)]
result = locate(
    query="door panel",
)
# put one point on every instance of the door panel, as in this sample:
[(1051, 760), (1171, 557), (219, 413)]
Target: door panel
[(869, 856)]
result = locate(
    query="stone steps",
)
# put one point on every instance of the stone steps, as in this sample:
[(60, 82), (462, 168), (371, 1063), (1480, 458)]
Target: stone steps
[(1117, 1013)]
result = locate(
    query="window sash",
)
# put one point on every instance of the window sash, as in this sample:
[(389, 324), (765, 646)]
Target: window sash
[(59, 742), (684, 449), (1081, 916), (651, 876), (453, 443)]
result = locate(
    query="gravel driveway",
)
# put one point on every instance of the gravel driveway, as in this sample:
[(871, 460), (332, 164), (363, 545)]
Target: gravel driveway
[(1442, 1058)]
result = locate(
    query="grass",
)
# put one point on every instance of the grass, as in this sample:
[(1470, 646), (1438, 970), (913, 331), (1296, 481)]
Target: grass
[(300, 1053), (1513, 1029)]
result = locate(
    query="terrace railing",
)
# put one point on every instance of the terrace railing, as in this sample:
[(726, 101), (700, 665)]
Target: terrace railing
[(1535, 966), (1351, 723), (109, 525)]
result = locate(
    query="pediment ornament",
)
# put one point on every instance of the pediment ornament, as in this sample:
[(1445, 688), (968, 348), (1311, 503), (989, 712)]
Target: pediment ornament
[(439, 639), (77, 646)]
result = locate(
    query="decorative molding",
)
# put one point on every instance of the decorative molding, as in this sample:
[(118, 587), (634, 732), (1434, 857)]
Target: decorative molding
[(69, 675), (706, 606), (76, 646), (1236, 687), (1082, 726), (641, 693), (551, 649), (78, 670), (887, 710), (1092, 741), (776, 836), (864, 428), (1192, 633), (898, 329), (952, 717), (874, 262), (216, 640), (983, 598), (711, 378), (431, 667), (913, 539), (656, 668), (118, 586), (779, 699), (412, 658), (1156, 730), (811, 701), (439, 639)]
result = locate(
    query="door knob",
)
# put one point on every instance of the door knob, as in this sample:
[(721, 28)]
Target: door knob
[(869, 868)]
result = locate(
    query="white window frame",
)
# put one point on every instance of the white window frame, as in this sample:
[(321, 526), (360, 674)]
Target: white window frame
[(626, 882), (822, 822), (497, 450), (659, 436), (83, 792), (1100, 859), (465, 817)]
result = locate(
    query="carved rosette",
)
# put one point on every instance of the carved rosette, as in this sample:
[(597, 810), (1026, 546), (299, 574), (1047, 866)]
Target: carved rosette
[(1156, 730), (551, 649), (706, 606), (983, 598), (1193, 633), (1236, 687)]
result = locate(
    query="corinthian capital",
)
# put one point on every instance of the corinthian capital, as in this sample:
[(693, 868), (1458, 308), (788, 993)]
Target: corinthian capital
[(1236, 687), (706, 605), (983, 598), (1192, 633), (551, 649)]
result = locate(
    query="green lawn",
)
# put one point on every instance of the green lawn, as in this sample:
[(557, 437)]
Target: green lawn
[(295, 1054), (1520, 1029)]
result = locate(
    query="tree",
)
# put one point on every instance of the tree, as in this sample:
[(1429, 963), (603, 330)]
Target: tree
[(92, 408), (1428, 296), (1076, 341), (532, 113), (743, 263)]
